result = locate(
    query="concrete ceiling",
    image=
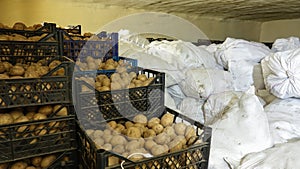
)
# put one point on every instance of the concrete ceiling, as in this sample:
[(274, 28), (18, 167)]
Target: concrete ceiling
[(257, 10)]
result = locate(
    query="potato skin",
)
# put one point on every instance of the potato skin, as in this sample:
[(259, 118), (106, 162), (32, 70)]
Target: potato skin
[(167, 119), (47, 161)]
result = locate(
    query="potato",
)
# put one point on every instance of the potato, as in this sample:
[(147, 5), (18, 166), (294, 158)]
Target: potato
[(162, 138), (16, 113), (192, 140), (107, 147), (2, 67), (167, 119), (106, 82), (133, 145), (99, 142), (7, 66), (19, 165), (175, 145), (158, 128), (36, 161), (107, 138), (106, 132), (153, 121), (149, 144), (181, 139), (112, 124), (16, 71), (103, 88), (19, 26), (30, 167), (158, 150), (113, 161), (134, 132), (189, 132), (62, 112), (40, 130), (6, 118), (39, 116), (142, 77), (47, 161), (54, 64), (30, 115), (97, 134), (118, 140), (149, 133), (119, 149), (46, 110), (115, 86), (128, 124), (140, 118), (180, 128), (20, 120), (119, 129), (4, 76), (4, 166)]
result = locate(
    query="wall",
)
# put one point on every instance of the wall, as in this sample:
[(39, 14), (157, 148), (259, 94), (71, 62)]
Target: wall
[(279, 29), (93, 17)]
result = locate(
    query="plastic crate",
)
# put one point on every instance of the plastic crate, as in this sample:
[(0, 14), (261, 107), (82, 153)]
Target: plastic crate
[(29, 51), (72, 29), (28, 139), (105, 47), (194, 157), (46, 28), (95, 106), (37, 91), (64, 160)]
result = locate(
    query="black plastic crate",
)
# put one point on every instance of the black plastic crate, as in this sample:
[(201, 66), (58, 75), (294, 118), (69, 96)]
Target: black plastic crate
[(105, 46), (98, 106), (46, 28), (28, 139), (195, 156), (30, 51), (72, 29), (62, 160), (37, 91)]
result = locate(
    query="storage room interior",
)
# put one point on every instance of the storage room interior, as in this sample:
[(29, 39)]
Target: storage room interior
[(213, 84)]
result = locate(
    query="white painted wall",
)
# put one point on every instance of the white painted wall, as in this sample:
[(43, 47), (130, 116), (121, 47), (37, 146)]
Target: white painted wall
[(279, 29)]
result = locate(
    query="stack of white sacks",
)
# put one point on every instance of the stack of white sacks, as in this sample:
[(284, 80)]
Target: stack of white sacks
[(245, 91)]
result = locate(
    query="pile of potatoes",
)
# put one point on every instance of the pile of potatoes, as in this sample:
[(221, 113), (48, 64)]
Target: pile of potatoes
[(40, 162), (21, 26), (117, 81), (18, 115), (98, 64), (29, 70), (155, 136)]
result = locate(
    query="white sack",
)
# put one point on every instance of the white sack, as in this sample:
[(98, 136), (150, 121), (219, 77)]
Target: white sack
[(242, 74), (176, 93), (258, 79), (284, 44), (192, 108), (281, 156), (182, 55), (239, 49), (201, 83), (284, 119), (266, 96), (173, 75), (217, 105), (281, 73), (242, 129), (169, 101)]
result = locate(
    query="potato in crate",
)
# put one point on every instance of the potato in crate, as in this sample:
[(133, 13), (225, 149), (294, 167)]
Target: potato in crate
[(117, 95), (27, 138), (63, 160), (102, 45), (35, 83), (169, 140)]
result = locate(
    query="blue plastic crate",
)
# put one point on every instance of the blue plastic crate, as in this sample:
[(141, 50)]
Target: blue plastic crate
[(106, 46)]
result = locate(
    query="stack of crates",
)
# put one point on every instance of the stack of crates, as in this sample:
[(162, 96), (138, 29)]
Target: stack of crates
[(95, 109), (37, 120)]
